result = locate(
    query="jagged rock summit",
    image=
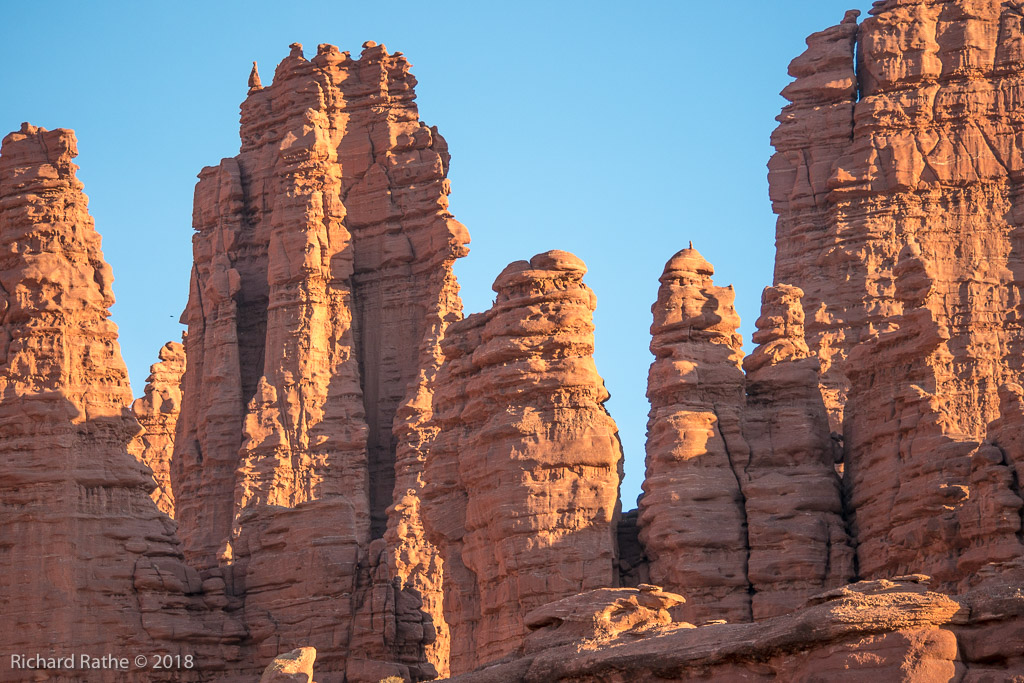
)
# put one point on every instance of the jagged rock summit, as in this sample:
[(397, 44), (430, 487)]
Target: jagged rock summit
[(335, 464)]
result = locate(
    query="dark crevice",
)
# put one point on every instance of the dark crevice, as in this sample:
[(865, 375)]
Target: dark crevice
[(742, 508)]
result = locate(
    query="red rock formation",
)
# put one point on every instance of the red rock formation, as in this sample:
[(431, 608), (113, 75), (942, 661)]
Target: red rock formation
[(920, 147), (924, 496), (795, 525), (692, 514), (524, 466), (157, 412), (88, 561), (879, 630), (930, 153), (322, 286), (291, 667)]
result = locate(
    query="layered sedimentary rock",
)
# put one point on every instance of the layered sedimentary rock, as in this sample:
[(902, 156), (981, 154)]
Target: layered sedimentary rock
[(322, 284), (157, 412), (524, 465), (920, 146), (795, 525), (923, 495), (692, 514), (87, 558)]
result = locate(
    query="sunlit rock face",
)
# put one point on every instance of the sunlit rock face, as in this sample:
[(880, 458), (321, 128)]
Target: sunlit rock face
[(903, 134), (692, 518), (524, 467), (157, 412), (321, 288), (358, 473)]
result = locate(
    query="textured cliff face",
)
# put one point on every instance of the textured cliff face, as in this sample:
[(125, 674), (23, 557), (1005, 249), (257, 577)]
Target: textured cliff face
[(795, 524), (322, 284), (921, 146), (157, 412), (86, 557), (524, 466), (923, 495), (692, 514)]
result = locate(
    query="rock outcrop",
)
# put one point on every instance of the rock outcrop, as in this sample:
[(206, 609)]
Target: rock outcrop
[(692, 514), (354, 470), (795, 524), (157, 412), (322, 286), (524, 466), (87, 559), (291, 667), (882, 630)]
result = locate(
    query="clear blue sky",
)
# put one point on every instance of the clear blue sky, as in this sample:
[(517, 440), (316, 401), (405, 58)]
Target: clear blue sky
[(615, 130)]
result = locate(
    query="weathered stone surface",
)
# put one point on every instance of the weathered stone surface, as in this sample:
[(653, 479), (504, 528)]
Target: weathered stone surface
[(157, 412), (321, 287), (795, 524), (924, 497), (524, 465), (919, 148), (692, 513), (881, 631), (292, 667), (599, 615), (87, 558)]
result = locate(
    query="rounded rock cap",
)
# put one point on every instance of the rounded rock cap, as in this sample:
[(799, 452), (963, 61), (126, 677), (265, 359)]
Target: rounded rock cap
[(690, 262), (557, 259)]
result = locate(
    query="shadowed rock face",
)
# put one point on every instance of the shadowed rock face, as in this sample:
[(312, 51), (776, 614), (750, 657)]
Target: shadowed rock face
[(87, 558), (322, 285), (157, 411), (524, 468)]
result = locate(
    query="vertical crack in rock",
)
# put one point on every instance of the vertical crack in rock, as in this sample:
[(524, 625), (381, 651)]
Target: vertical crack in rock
[(798, 541), (524, 463), (692, 514)]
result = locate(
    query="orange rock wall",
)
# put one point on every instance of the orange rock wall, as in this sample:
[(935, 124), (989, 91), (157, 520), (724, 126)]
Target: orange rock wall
[(795, 523), (692, 516)]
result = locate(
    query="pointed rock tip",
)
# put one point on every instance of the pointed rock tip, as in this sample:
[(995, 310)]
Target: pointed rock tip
[(851, 16), (688, 261), (296, 50)]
